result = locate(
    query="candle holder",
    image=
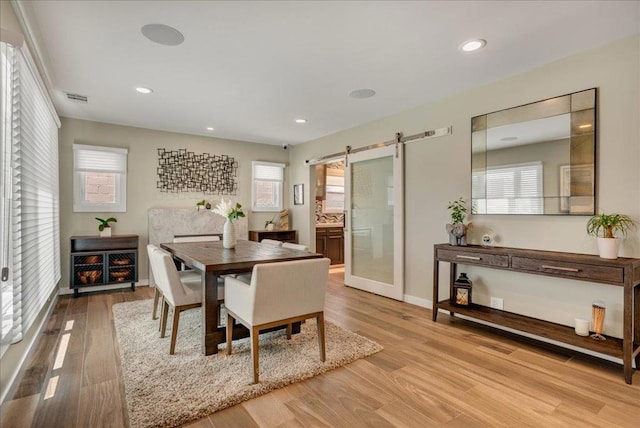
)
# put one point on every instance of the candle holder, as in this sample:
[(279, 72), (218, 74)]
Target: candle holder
[(598, 310)]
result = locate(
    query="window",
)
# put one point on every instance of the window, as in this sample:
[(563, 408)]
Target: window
[(99, 179), (30, 225), (334, 198), (509, 189), (266, 194)]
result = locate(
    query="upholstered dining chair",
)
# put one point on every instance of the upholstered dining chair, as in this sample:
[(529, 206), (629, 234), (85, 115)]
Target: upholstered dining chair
[(279, 294), (187, 275), (271, 242), (180, 292), (295, 246)]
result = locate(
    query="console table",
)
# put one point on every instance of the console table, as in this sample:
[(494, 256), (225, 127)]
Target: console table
[(622, 272)]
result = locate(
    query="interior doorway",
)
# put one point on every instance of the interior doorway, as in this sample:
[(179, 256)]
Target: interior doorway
[(329, 212)]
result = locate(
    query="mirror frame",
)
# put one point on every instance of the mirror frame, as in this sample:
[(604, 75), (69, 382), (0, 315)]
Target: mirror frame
[(578, 178)]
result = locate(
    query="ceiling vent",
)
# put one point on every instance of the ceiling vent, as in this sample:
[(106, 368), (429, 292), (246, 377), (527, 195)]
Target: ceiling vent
[(77, 97)]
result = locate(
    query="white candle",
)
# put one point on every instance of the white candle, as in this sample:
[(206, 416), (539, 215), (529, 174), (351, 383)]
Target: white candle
[(582, 327)]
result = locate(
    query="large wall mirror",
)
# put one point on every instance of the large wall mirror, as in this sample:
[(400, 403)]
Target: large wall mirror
[(538, 158)]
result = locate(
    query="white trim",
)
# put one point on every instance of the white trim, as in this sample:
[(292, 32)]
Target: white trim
[(418, 301), (119, 286)]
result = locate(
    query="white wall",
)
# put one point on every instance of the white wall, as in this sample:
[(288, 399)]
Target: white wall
[(143, 145), (438, 171)]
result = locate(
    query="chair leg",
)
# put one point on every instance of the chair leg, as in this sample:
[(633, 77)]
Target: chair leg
[(320, 323), (156, 297), (174, 330), (165, 315), (229, 332), (254, 353), (289, 328), (161, 311)]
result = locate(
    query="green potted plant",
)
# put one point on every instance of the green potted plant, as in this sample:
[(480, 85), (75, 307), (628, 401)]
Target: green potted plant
[(269, 224), (604, 227), (104, 228), (457, 230)]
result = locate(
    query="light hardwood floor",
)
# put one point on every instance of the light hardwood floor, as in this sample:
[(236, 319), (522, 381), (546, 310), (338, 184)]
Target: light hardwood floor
[(447, 374)]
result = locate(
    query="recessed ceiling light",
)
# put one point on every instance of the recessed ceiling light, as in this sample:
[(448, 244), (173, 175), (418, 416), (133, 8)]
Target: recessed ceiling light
[(508, 138), (586, 125), (301, 120), (362, 93), (144, 90), (472, 45), (162, 34), (209, 128)]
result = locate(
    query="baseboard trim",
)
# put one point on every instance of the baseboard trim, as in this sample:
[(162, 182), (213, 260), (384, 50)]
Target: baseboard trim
[(418, 301), (66, 291)]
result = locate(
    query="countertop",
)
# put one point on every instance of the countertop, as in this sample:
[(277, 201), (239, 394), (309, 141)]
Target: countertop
[(318, 225)]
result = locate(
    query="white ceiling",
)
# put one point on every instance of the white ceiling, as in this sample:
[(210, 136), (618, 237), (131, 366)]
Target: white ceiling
[(250, 68)]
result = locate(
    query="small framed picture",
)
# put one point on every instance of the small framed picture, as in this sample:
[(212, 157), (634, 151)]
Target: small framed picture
[(298, 194)]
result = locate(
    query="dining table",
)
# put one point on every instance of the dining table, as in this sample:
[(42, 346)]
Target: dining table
[(212, 260)]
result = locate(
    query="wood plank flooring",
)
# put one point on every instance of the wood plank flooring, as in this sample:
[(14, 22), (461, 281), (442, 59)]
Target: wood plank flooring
[(447, 374)]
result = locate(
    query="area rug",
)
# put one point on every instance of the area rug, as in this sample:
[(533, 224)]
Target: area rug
[(165, 390)]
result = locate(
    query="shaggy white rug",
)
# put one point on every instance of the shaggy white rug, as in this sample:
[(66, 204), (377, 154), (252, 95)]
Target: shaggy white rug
[(165, 390)]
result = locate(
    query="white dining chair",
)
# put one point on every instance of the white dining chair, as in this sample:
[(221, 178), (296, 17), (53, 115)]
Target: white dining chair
[(181, 293), (271, 242), (295, 246), (187, 275), (279, 294)]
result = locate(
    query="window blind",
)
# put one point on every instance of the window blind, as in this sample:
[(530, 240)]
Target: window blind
[(512, 189), (35, 203), (99, 159), (266, 171)]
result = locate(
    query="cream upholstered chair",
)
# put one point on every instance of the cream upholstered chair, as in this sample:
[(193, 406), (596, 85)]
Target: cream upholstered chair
[(181, 293), (295, 246), (187, 275), (271, 242), (279, 293)]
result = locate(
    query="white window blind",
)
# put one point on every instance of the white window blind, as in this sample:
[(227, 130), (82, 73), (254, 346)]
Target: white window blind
[(509, 189), (35, 227), (99, 179), (268, 178)]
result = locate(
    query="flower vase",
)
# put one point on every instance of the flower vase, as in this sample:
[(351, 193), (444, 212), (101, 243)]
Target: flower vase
[(229, 234)]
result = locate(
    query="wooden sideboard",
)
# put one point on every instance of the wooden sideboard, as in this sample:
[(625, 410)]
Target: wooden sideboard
[(278, 235), (622, 272), (100, 261)]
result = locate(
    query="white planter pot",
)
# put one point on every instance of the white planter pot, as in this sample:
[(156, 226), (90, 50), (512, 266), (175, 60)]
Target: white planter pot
[(105, 233), (608, 247), (229, 234)]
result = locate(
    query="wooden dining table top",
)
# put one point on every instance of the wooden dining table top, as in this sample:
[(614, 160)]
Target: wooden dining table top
[(211, 256)]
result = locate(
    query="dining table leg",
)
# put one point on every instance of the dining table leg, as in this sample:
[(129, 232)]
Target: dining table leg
[(212, 335)]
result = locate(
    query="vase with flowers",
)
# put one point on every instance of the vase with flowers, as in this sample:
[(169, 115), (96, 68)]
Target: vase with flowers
[(227, 210)]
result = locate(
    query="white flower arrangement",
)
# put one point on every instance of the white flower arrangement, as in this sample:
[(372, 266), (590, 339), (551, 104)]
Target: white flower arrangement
[(227, 210)]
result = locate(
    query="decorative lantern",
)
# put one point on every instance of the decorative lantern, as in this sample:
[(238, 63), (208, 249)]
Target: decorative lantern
[(462, 291)]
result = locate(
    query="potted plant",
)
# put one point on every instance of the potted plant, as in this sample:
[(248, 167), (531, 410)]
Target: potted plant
[(104, 228), (269, 224), (231, 213), (604, 227), (457, 230)]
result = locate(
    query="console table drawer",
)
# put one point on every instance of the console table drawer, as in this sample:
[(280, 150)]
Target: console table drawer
[(612, 275), (473, 258)]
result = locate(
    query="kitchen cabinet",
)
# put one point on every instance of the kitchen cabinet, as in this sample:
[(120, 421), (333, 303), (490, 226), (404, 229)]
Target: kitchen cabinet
[(330, 243)]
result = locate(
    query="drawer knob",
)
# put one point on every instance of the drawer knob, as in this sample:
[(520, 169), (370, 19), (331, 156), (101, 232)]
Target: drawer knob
[(468, 257), (566, 269)]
